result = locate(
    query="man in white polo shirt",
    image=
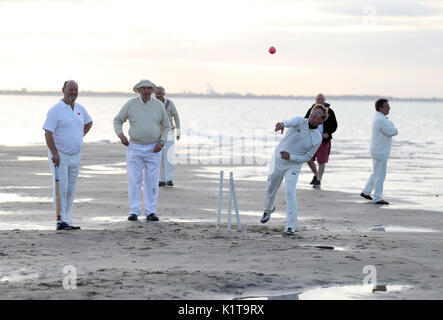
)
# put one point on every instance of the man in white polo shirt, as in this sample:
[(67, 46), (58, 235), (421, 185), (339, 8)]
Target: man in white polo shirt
[(149, 126), (66, 124)]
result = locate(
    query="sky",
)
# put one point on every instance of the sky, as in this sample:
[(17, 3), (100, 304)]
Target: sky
[(373, 47)]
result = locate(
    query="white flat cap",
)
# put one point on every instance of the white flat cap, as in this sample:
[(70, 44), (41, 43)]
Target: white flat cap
[(143, 83)]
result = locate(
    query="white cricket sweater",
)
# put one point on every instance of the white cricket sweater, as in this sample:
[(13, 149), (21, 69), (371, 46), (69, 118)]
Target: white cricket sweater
[(300, 141)]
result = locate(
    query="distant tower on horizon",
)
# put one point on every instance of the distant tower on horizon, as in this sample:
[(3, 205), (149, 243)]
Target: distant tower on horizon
[(209, 89)]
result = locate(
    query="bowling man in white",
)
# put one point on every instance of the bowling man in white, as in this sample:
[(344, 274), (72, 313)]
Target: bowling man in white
[(299, 144)]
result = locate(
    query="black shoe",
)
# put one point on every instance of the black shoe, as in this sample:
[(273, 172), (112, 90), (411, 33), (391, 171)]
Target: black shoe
[(317, 184), (152, 217), (133, 217), (382, 202), (267, 216), (290, 232), (169, 183), (75, 228), (64, 226), (366, 196), (313, 180), (161, 184)]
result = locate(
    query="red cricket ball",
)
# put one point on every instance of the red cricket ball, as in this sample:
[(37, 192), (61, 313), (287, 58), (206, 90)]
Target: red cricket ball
[(272, 50)]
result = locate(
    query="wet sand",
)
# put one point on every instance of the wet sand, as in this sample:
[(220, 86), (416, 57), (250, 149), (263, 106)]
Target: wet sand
[(183, 256)]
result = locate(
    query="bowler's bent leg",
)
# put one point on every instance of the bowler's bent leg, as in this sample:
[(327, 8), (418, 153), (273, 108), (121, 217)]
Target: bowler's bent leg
[(291, 178), (273, 183)]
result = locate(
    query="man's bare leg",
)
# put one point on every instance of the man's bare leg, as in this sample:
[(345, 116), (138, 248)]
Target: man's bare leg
[(321, 170), (313, 167)]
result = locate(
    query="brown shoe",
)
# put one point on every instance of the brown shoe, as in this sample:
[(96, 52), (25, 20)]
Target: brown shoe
[(382, 202)]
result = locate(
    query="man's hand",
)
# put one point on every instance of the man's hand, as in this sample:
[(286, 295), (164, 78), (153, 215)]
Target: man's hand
[(325, 135), (123, 139), (285, 155), (158, 147), (56, 159), (279, 126)]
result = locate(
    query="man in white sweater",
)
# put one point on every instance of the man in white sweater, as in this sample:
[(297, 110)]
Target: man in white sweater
[(382, 132), (149, 127), (297, 147), (168, 152)]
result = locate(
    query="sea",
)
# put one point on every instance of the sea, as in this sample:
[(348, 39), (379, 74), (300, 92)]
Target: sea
[(237, 134)]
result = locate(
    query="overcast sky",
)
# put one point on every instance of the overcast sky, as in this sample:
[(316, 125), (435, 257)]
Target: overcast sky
[(390, 47)]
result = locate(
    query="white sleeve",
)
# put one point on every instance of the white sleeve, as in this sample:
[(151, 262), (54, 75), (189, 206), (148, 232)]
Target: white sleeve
[(86, 118), (388, 128), (51, 120), (294, 122)]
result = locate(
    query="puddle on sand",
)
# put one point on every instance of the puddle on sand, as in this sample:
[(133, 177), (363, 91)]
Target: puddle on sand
[(258, 214), (18, 275), (103, 169), (24, 187), (14, 197), (381, 228), (4, 226), (327, 247), (351, 292), (24, 158), (178, 220)]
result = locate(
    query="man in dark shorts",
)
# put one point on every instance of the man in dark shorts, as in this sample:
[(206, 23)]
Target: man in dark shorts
[(322, 154)]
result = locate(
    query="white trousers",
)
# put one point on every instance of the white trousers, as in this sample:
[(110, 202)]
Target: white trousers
[(167, 163), (376, 180), (290, 172), (68, 172), (141, 158)]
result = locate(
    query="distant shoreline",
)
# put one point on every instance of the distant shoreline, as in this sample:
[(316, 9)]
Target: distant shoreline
[(222, 96)]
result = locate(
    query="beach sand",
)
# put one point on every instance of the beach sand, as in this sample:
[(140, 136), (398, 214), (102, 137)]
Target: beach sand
[(183, 256)]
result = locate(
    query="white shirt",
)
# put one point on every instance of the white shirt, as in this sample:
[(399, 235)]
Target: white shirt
[(382, 131), (300, 141), (67, 126)]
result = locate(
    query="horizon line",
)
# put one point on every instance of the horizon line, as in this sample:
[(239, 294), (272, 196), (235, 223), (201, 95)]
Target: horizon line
[(223, 95)]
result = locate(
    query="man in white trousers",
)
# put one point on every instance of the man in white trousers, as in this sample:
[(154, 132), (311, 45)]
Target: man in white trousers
[(168, 152), (148, 131), (67, 122), (382, 132), (297, 147)]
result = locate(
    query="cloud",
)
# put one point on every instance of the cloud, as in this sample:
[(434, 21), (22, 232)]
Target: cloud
[(58, 1), (383, 8)]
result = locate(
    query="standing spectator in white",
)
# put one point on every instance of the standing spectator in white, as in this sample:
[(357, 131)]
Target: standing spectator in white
[(382, 132), (148, 130), (168, 152), (66, 124), (297, 147)]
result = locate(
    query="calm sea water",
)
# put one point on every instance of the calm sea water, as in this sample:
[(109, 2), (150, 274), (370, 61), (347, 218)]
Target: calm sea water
[(241, 131)]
